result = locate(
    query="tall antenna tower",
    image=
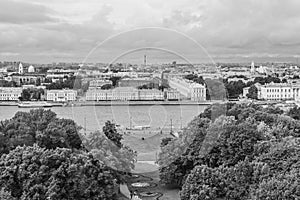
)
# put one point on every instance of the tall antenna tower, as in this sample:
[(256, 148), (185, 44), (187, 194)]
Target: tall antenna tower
[(145, 60)]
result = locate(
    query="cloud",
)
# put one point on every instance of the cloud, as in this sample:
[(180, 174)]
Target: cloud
[(16, 12), (36, 28)]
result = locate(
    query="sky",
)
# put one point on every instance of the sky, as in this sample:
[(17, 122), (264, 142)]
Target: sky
[(124, 30)]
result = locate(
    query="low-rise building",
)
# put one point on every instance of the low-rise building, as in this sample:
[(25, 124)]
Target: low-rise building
[(64, 95), (10, 93), (124, 94), (171, 94), (134, 82), (276, 91), (99, 83), (151, 95), (189, 89)]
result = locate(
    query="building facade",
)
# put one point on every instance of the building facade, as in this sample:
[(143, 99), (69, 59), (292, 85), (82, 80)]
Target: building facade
[(172, 95), (10, 93), (189, 89), (61, 95), (277, 91), (124, 94), (134, 82)]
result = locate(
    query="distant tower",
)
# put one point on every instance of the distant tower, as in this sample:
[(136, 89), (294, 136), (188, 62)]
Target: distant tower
[(145, 60), (252, 69), (21, 70)]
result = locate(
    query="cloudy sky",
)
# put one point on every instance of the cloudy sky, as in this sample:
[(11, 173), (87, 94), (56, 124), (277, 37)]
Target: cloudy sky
[(123, 30)]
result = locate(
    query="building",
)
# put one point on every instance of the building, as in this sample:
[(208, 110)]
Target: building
[(124, 94), (172, 95), (276, 91), (61, 95), (10, 93), (99, 83), (25, 79), (21, 69), (245, 91), (31, 69), (189, 89), (134, 82), (150, 95), (252, 68)]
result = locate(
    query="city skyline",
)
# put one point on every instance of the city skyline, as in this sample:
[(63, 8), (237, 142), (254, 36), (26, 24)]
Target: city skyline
[(200, 31)]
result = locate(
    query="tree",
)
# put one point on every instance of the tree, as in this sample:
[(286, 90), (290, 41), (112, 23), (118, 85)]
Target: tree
[(234, 88), (281, 186), (115, 80), (111, 133), (165, 141), (121, 159), (294, 113), (253, 92), (31, 94), (106, 87), (235, 143), (37, 173), (174, 159), (41, 127)]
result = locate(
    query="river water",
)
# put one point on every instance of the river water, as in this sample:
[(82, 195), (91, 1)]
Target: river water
[(94, 117)]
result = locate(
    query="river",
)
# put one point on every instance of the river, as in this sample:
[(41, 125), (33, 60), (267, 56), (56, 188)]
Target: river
[(94, 117)]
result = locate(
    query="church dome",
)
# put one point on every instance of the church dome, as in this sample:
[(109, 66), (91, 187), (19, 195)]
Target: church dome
[(31, 69)]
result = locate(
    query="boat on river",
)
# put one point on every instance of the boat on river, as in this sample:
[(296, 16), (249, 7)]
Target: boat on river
[(32, 104)]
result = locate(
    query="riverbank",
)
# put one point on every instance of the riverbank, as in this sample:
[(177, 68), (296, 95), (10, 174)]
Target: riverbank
[(117, 103), (145, 103)]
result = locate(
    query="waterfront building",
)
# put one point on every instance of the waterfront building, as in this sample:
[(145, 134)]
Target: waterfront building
[(10, 93), (276, 91), (64, 95), (172, 94), (124, 94), (189, 89), (150, 95)]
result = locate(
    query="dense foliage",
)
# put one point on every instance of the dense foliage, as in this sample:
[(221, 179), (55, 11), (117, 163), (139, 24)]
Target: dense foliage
[(120, 158), (31, 94), (252, 153), (112, 134), (37, 173), (41, 127), (45, 157)]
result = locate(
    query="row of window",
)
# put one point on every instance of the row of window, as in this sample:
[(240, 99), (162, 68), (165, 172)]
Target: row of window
[(274, 96), (278, 90)]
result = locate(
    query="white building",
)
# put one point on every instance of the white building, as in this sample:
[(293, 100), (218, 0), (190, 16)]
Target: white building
[(151, 95), (172, 94), (276, 91), (123, 94), (252, 68), (189, 89), (21, 69), (61, 95), (10, 93), (31, 69)]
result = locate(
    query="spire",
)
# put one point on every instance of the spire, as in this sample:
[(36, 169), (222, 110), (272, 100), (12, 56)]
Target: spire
[(21, 70)]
